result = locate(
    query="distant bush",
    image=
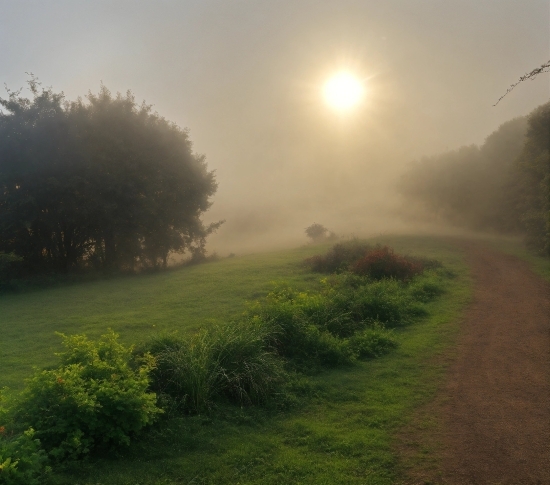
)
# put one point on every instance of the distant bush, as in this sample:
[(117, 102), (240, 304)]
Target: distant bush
[(338, 258), (382, 262), (318, 233), (94, 399), (231, 362)]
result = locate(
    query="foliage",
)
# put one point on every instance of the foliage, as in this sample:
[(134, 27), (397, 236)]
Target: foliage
[(373, 342), (338, 258), (22, 460), (319, 328), (532, 181), (317, 233), (105, 183), (470, 187), (94, 399), (382, 262), (230, 362), (503, 185)]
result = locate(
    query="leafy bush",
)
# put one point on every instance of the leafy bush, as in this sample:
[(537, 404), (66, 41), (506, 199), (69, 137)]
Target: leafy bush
[(317, 233), (22, 460), (372, 342), (338, 258), (95, 398), (231, 362), (382, 262)]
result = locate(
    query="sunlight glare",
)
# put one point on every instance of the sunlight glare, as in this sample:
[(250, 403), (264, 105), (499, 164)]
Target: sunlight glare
[(343, 91)]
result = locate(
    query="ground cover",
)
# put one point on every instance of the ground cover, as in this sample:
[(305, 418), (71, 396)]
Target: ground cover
[(342, 430)]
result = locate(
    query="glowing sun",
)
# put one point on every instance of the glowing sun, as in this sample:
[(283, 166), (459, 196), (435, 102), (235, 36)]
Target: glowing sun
[(343, 91)]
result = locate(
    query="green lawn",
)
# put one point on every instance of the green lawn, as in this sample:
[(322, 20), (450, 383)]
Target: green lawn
[(183, 299), (343, 429)]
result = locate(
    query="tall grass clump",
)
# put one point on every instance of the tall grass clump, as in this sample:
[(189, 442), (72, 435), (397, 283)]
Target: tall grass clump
[(231, 363)]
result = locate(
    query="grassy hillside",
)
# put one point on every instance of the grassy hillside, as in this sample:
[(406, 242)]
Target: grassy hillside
[(342, 430), (183, 299)]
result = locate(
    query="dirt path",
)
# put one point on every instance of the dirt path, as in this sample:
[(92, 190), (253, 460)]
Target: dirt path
[(496, 411)]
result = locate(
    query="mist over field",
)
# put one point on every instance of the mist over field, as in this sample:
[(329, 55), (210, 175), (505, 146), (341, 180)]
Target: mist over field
[(246, 77)]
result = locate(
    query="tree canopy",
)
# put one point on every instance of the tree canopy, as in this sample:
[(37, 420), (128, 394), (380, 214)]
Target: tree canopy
[(102, 182), (503, 186)]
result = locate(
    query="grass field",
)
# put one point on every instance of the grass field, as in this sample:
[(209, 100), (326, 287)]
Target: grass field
[(136, 307), (343, 430)]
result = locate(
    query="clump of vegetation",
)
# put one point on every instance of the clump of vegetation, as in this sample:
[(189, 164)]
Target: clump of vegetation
[(382, 262), (96, 398), (319, 233), (338, 258), (22, 459), (231, 363)]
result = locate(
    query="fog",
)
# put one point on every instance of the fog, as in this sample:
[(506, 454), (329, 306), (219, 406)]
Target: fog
[(245, 77)]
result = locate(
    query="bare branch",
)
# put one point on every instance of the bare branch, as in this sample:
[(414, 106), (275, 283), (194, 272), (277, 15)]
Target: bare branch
[(530, 75)]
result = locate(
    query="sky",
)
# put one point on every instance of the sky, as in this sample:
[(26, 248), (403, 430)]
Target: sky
[(245, 77)]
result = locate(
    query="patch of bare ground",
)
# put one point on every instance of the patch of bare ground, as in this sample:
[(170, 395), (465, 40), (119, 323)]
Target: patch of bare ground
[(490, 422)]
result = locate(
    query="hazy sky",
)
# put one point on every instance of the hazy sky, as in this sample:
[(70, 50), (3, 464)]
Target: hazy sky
[(245, 77)]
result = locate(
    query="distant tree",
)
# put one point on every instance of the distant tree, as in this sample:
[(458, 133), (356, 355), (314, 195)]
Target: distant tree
[(318, 232), (531, 177), (103, 182), (471, 186)]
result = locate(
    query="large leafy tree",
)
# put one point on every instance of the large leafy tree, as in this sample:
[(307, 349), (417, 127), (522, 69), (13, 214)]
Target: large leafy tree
[(532, 180), (470, 187), (101, 181)]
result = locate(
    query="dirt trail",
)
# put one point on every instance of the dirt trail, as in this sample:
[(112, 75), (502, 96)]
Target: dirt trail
[(496, 411)]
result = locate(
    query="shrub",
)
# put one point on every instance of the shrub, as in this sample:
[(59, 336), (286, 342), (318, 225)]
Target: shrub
[(382, 262), (426, 290), (231, 362), (338, 258), (93, 399), (317, 232), (372, 342), (22, 460), (298, 322)]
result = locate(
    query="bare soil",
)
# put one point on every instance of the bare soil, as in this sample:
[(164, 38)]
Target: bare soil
[(497, 416), (493, 414)]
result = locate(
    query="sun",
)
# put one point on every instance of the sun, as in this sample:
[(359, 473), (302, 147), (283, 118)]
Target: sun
[(343, 91)]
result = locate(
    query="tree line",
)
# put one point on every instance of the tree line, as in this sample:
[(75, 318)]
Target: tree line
[(100, 182), (502, 185)]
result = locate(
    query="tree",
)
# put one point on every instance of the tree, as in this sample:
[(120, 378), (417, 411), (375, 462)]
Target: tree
[(100, 182), (532, 181), (317, 232), (470, 187)]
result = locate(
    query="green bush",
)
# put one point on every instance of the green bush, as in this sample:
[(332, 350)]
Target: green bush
[(94, 399), (22, 459), (298, 324), (232, 362), (372, 342)]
